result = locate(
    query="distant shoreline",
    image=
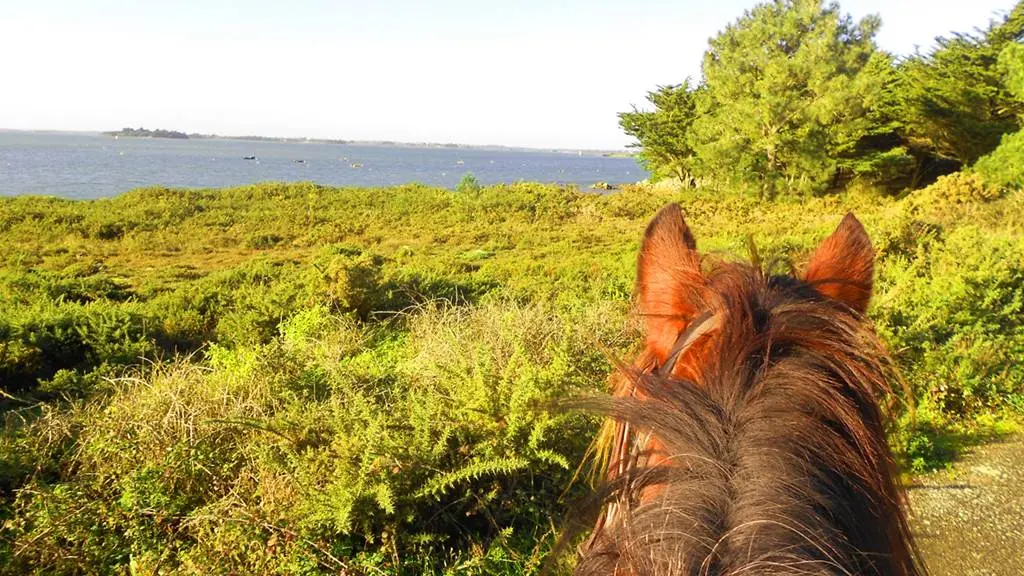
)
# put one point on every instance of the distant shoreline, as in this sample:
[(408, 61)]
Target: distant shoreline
[(144, 133), (611, 153)]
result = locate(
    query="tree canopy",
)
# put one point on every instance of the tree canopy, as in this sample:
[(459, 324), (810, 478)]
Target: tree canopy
[(664, 134), (786, 94), (796, 97), (953, 101)]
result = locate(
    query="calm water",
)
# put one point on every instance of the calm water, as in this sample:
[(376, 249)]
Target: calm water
[(81, 165)]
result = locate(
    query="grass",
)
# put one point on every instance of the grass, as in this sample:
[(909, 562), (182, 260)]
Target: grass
[(290, 378)]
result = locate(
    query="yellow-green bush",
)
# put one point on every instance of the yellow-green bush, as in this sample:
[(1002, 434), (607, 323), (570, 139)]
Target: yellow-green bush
[(328, 443), (958, 188), (302, 379)]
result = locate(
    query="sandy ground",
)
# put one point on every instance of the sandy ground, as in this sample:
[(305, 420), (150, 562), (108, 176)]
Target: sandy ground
[(969, 521)]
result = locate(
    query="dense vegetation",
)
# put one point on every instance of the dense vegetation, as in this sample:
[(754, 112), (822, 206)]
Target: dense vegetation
[(796, 98), (291, 378)]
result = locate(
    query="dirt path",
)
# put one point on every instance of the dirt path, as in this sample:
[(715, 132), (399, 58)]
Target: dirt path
[(970, 521)]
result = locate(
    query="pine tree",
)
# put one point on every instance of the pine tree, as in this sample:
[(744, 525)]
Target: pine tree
[(1004, 166), (953, 102), (664, 133), (786, 95)]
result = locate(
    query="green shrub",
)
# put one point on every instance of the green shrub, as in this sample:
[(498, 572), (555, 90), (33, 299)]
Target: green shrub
[(50, 337), (955, 314), (1004, 166), (359, 395), (958, 188), (468, 184), (401, 454), (350, 279)]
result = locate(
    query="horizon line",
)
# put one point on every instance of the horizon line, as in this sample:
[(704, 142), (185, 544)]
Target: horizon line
[(339, 141)]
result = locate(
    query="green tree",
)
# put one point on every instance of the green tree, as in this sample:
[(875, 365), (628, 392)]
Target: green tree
[(1004, 166), (954, 102), (663, 134), (881, 154), (1011, 64), (469, 184), (787, 96)]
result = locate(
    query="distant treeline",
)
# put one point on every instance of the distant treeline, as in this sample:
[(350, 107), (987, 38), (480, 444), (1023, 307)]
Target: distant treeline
[(398, 144), (144, 133), (271, 139), (795, 97)]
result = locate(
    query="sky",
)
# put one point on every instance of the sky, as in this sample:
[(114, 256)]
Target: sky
[(538, 73)]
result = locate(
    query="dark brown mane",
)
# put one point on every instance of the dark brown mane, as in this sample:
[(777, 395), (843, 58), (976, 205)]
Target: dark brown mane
[(774, 454)]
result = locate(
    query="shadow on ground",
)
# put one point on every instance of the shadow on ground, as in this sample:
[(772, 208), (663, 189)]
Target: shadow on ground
[(969, 520)]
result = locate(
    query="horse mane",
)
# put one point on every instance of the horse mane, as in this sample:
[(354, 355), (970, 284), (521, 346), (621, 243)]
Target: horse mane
[(777, 454)]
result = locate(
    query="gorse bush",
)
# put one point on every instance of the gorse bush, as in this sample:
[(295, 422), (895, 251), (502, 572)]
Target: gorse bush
[(367, 394), (329, 442), (956, 188), (48, 338)]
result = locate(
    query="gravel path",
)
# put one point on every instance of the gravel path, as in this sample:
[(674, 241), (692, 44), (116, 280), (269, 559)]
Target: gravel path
[(970, 521)]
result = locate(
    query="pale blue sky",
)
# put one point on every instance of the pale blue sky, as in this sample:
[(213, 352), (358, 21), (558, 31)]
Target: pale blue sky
[(544, 73)]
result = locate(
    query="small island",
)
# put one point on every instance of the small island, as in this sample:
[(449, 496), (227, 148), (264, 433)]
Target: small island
[(143, 133)]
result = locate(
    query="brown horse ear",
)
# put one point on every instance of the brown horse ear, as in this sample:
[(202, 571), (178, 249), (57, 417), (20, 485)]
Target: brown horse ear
[(668, 274), (842, 267)]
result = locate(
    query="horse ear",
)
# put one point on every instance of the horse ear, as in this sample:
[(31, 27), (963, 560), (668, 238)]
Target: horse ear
[(668, 272), (842, 267)]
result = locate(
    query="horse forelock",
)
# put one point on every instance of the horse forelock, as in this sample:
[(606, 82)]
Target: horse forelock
[(774, 454)]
